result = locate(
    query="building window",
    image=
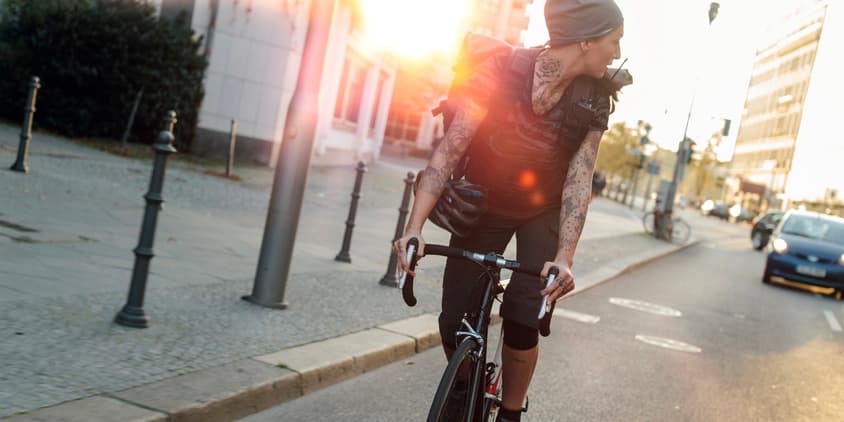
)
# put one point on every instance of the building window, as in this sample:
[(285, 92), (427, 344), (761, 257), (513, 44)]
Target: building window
[(349, 93)]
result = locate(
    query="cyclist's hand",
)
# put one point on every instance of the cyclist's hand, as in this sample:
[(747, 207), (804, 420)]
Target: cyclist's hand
[(400, 248), (562, 285)]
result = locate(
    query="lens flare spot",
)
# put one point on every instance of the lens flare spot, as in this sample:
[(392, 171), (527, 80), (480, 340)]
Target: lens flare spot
[(536, 199), (527, 179)]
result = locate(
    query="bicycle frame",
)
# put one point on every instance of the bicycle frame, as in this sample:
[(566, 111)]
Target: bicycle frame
[(479, 333), (474, 355)]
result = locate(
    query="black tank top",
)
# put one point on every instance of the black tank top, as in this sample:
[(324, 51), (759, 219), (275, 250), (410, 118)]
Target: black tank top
[(522, 158)]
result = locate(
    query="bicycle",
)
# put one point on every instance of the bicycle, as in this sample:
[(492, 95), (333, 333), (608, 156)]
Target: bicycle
[(484, 382), (677, 230)]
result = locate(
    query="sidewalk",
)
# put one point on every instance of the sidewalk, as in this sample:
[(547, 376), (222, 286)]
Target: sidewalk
[(67, 230)]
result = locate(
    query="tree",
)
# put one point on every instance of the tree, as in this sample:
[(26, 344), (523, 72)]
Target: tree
[(612, 155), (702, 173), (93, 56)]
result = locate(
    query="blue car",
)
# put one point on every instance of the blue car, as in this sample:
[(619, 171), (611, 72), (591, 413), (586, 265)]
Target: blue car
[(808, 247)]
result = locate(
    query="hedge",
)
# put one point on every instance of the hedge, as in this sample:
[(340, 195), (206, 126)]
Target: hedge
[(93, 56)]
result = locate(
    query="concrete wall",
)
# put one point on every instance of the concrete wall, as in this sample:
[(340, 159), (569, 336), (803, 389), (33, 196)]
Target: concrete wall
[(255, 50)]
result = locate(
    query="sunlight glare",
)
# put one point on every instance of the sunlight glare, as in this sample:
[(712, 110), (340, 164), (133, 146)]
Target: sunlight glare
[(414, 28)]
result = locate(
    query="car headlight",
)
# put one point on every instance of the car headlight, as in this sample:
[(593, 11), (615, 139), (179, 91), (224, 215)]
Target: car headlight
[(735, 211), (841, 259), (780, 246)]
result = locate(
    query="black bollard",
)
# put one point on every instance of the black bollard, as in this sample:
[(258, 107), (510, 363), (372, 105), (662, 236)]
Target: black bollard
[(343, 255), (389, 278), (132, 314), (230, 157), (21, 164)]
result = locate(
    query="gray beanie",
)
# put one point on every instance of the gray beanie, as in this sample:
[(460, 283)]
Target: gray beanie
[(571, 21)]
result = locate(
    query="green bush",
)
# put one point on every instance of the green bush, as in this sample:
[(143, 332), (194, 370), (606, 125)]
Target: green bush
[(93, 56)]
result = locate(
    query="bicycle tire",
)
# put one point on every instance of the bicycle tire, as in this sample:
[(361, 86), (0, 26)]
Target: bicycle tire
[(447, 382), (680, 231), (648, 222)]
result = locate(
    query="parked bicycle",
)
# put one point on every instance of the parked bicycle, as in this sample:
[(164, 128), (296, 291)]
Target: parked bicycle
[(483, 398), (674, 229)]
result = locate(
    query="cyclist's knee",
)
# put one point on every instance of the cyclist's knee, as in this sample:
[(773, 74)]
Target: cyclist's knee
[(520, 337)]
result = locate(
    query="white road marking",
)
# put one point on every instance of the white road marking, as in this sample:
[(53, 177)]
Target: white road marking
[(645, 307), (833, 322), (577, 316), (668, 343)]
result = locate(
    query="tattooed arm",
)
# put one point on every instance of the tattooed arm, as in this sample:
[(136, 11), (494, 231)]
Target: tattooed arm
[(577, 192), (443, 162)]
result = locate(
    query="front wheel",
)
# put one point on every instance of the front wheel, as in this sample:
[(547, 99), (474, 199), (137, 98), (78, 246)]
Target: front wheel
[(450, 404), (648, 222), (757, 241), (680, 231)]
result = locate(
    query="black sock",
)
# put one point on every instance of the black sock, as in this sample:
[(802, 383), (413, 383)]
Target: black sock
[(506, 415)]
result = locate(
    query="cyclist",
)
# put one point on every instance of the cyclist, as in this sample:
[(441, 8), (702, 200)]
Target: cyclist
[(536, 178)]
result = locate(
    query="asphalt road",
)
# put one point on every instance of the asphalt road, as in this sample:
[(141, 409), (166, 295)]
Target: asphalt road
[(694, 336)]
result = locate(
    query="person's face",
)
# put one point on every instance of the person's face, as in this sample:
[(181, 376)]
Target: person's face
[(600, 52)]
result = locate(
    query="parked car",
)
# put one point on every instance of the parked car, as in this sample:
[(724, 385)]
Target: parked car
[(739, 214), (808, 247), (719, 210), (763, 227)]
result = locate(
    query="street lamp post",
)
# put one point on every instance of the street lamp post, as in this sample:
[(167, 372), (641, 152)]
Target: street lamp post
[(684, 151), (291, 172)]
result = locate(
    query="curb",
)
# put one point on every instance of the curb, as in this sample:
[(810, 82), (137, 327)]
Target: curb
[(248, 386)]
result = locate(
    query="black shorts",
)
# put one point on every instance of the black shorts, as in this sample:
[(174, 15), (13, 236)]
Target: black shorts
[(536, 243)]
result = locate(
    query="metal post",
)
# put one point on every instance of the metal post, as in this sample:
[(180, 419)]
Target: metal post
[(626, 191), (683, 152), (343, 256), (125, 139), (132, 314), (21, 164), (291, 172), (389, 278), (647, 193), (232, 140), (636, 180)]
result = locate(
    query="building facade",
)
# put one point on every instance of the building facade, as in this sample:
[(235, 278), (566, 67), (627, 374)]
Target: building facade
[(785, 142), (254, 49), (419, 88)]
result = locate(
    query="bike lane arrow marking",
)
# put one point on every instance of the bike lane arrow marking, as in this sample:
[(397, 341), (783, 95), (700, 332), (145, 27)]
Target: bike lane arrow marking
[(668, 343), (577, 316), (646, 307)]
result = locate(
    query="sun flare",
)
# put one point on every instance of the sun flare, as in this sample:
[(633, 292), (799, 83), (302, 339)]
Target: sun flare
[(414, 28)]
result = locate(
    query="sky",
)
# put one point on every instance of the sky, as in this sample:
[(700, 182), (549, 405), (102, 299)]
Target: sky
[(671, 49)]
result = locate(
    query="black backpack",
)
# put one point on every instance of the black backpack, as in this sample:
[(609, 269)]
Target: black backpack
[(477, 48)]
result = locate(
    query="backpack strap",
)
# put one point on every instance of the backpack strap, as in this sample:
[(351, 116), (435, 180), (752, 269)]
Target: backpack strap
[(580, 93), (522, 60)]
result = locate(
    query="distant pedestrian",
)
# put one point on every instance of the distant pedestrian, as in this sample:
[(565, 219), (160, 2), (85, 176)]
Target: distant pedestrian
[(599, 182)]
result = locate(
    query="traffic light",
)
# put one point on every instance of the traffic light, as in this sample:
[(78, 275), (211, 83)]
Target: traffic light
[(689, 145), (713, 11)]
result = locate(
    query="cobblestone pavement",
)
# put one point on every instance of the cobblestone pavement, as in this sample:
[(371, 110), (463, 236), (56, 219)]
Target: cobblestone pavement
[(67, 230)]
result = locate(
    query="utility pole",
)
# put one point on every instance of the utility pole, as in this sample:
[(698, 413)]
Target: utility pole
[(684, 150), (291, 170)]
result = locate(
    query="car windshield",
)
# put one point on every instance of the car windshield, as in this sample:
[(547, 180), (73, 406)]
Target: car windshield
[(814, 228)]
